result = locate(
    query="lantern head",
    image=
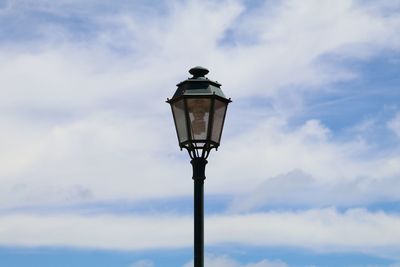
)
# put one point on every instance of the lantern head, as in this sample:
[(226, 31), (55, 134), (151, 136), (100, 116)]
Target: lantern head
[(199, 108)]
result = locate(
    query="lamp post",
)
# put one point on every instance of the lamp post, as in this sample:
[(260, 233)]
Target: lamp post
[(199, 108)]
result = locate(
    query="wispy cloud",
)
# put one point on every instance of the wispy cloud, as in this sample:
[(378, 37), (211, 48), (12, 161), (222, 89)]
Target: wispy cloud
[(143, 263), (217, 261), (394, 124), (326, 230)]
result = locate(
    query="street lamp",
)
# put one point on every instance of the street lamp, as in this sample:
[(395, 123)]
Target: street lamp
[(199, 108)]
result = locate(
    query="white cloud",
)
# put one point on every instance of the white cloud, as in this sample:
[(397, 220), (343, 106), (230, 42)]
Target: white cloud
[(394, 124), (300, 189), (273, 149), (143, 263), (225, 261), (293, 37), (326, 230), (84, 121), (106, 157)]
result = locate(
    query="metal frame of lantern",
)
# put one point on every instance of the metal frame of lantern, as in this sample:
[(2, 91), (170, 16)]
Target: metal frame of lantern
[(200, 148)]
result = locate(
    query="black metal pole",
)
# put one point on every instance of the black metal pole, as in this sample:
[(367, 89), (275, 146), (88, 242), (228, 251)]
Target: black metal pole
[(199, 166)]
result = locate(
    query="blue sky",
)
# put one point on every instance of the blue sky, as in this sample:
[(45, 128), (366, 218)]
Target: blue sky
[(308, 172)]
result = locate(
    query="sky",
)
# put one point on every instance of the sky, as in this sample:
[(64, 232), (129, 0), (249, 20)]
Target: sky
[(308, 171)]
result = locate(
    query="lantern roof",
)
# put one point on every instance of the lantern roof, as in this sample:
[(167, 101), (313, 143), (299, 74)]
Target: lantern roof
[(198, 85)]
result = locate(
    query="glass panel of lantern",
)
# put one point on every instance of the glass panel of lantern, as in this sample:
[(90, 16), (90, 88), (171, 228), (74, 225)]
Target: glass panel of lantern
[(218, 120), (178, 110)]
